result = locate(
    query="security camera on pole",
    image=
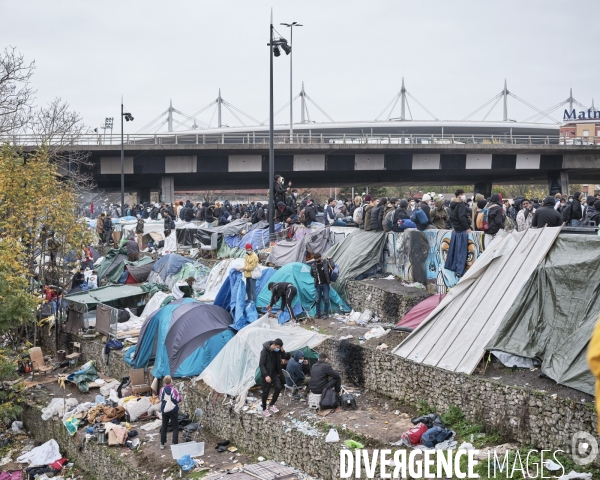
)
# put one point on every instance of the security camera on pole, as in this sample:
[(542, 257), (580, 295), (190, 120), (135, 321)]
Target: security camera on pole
[(274, 45)]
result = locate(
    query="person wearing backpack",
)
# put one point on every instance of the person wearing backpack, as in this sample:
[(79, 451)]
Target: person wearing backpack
[(388, 215), (420, 216), (323, 376), (169, 407), (479, 215), (371, 202), (358, 212)]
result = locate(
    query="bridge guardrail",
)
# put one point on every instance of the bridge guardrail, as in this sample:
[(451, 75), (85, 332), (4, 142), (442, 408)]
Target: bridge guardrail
[(300, 139)]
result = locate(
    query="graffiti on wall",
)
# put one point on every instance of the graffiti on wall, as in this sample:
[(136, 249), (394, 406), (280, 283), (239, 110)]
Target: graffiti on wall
[(420, 257)]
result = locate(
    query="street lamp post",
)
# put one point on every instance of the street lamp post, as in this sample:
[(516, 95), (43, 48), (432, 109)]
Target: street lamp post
[(291, 27), (128, 117), (274, 45)]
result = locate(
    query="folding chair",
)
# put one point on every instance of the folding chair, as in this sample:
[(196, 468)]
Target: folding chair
[(292, 388)]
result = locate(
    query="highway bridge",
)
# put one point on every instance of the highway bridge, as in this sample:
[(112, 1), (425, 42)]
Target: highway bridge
[(369, 153)]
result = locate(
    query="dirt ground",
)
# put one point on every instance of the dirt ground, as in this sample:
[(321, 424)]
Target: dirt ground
[(148, 457)]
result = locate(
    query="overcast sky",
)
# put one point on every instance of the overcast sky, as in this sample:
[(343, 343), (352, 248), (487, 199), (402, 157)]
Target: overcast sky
[(351, 54)]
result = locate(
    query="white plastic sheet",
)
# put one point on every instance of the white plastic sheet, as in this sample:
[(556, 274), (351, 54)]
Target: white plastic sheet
[(232, 370), (42, 455), (58, 406)]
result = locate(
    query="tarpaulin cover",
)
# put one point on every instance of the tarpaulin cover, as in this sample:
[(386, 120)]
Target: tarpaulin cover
[(153, 337), (225, 251), (232, 228), (232, 370), (454, 336), (259, 239), (298, 274), (107, 294), (219, 274), (420, 311), (82, 377), (138, 270), (166, 268), (553, 317), (191, 330), (113, 259), (197, 270), (355, 255), (289, 251), (232, 297)]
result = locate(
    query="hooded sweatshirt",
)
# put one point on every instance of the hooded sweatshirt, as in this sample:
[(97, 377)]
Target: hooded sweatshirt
[(294, 368), (440, 218), (546, 215), (459, 218), (577, 212), (495, 214), (270, 361)]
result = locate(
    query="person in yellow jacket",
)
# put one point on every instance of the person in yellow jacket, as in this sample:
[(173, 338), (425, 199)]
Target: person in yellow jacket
[(593, 358), (250, 263)]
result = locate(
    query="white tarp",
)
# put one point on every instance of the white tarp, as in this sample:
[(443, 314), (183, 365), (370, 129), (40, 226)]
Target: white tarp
[(218, 275), (454, 335), (45, 454), (232, 371)]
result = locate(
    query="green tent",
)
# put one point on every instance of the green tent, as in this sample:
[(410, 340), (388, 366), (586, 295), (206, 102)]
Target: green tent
[(113, 265), (554, 316)]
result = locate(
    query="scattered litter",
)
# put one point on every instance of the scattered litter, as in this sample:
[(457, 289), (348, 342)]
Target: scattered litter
[(466, 446), (346, 337), (389, 277), (353, 444), (496, 378), (332, 436), (232, 449), (573, 475), (152, 425), (383, 346), (375, 332), (550, 465), (397, 412), (261, 459), (17, 427)]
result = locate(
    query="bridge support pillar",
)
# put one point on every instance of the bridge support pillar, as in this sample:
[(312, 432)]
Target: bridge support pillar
[(167, 189), (143, 195), (485, 188), (558, 182)]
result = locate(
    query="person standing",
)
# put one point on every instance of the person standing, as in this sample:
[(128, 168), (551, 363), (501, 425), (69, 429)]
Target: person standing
[(286, 292), (546, 216), (270, 373), (525, 215), (139, 230), (320, 271), (459, 217), (133, 250), (169, 407), (100, 227), (250, 263)]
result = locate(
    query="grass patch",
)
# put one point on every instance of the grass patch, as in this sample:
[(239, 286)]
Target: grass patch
[(474, 433), (423, 408)]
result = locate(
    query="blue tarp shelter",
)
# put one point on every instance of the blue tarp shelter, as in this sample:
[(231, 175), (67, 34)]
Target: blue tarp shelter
[(183, 337), (258, 238), (232, 297), (298, 274), (166, 268)]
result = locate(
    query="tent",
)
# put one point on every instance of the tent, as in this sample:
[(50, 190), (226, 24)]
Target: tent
[(111, 265), (299, 275), (232, 370), (292, 250), (413, 318), (454, 336), (197, 270), (355, 255), (553, 316), (258, 238), (232, 297), (182, 337), (138, 271), (166, 268)]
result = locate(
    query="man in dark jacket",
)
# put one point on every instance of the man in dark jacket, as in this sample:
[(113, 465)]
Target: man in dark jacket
[(320, 271), (546, 216), (285, 213), (576, 213), (133, 250), (294, 368), (377, 215), (259, 214), (270, 373), (495, 214), (284, 291), (400, 214), (310, 213), (459, 213), (323, 376), (279, 189)]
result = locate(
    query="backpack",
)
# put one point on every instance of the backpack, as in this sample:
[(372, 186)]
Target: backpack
[(509, 224), (404, 223), (413, 436), (330, 398), (357, 216), (479, 220), (419, 216), (485, 224), (254, 217), (388, 222), (170, 404), (334, 272)]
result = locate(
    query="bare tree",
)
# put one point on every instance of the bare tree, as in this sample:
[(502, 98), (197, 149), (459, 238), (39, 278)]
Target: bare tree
[(16, 94)]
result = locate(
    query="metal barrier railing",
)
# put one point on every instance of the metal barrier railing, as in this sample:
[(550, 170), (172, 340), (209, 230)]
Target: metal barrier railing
[(253, 138)]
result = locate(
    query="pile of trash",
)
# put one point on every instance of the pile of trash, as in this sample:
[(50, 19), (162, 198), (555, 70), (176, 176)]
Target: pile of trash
[(358, 318), (429, 433)]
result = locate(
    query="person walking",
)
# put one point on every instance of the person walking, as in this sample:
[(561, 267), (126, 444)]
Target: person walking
[(250, 263), (270, 374), (169, 407), (320, 271)]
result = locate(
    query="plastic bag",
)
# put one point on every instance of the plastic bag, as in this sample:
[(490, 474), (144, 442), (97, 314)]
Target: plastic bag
[(332, 436), (353, 444), (72, 424), (375, 332), (186, 463)]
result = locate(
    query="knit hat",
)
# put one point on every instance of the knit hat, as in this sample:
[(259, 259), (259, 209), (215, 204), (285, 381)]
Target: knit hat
[(368, 198), (426, 198), (248, 246), (403, 203)]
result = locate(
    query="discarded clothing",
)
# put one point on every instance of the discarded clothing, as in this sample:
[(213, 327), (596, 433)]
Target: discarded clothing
[(431, 420), (84, 376), (457, 253), (138, 408), (117, 435), (435, 435), (45, 454), (58, 406)]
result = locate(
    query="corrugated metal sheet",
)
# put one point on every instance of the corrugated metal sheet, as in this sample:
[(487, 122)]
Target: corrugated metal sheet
[(454, 335)]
